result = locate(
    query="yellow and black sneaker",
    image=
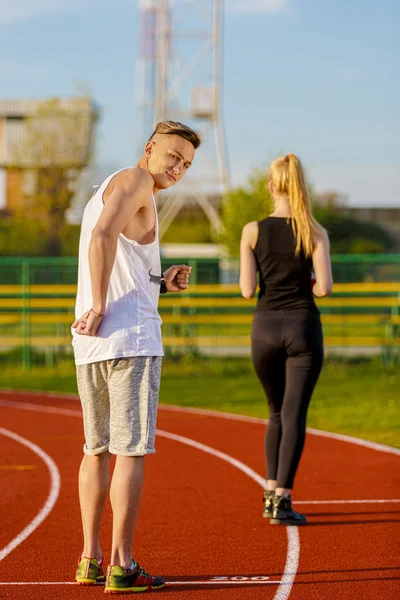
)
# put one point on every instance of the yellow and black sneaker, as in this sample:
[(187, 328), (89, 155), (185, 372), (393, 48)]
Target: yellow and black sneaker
[(89, 571), (283, 513), (268, 501), (130, 581)]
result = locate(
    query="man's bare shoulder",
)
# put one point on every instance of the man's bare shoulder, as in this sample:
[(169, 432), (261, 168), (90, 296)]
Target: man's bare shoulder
[(133, 179)]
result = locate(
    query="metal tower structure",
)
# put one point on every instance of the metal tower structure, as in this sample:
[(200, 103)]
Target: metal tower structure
[(179, 78)]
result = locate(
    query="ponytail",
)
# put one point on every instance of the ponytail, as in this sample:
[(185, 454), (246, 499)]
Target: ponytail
[(288, 178), (303, 223)]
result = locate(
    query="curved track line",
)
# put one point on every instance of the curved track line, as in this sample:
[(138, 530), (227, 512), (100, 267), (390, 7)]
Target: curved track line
[(51, 498), (222, 415), (293, 548), (76, 413), (319, 432), (209, 450), (291, 566), (41, 408)]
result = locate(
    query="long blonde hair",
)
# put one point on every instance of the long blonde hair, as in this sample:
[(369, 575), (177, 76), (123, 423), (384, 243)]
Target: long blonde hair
[(287, 176)]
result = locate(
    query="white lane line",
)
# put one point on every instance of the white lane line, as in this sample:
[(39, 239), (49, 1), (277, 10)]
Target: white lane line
[(381, 501), (292, 532), (318, 432), (51, 498), (77, 413), (41, 583), (222, 415), (167, 583), (209, 450), (39, 394), (291, 566), (213, 413), (293, 547), (353, 440), (40, 408)]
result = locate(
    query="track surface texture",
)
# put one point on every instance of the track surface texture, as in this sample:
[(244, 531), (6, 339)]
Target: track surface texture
[(200, 522)]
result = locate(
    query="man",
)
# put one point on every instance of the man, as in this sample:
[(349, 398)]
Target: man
[(118, 349)]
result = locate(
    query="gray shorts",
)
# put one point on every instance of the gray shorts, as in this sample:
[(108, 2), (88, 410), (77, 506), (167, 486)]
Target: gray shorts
[(119, 400)]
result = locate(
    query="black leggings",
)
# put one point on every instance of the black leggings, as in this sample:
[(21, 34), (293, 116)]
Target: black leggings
[(287, 352)]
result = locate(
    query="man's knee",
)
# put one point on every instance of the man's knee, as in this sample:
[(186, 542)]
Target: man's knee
[(103, 456)]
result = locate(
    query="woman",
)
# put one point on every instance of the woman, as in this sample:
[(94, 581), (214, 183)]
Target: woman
[(286, 249)]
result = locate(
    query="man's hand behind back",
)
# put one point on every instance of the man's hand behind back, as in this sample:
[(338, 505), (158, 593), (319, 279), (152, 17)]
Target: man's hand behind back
[(177, 278), (88, 323)]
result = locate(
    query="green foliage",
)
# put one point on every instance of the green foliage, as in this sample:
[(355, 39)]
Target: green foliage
[(31, 237), (70, 241), (244, 204), (351, 236), (22, 237), (253, 203), (190, 229)]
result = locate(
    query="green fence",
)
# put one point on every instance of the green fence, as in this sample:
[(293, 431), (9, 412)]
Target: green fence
[(37, 308), (347, 268)]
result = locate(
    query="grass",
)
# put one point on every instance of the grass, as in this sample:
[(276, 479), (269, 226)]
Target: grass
[(356, 397)]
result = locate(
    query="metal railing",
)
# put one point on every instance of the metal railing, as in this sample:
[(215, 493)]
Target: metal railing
[(37, 298)]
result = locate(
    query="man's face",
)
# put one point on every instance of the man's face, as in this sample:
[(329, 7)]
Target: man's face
[(169, 157)]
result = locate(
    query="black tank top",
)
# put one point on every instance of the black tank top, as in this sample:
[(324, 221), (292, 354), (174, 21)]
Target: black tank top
[(285, 279)]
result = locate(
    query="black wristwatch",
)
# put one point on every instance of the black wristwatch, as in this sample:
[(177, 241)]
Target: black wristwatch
[(163, 285)]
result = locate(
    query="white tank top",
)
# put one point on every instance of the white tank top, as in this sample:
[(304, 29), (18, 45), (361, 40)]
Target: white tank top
[(131, 325)]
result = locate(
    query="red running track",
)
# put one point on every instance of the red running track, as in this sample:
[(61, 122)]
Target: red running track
[(200, 521)]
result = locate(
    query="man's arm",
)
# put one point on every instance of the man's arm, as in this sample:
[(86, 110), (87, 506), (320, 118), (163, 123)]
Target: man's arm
[(124, 202)]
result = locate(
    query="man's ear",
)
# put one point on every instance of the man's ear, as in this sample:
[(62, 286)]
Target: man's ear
[(148, 149)]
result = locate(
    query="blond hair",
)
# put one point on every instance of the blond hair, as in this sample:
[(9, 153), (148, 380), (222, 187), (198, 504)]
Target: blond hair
[(287, 176), (176, 128)]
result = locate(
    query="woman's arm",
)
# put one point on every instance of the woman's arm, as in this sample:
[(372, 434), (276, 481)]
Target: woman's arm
[(322, 265), (248, 267)]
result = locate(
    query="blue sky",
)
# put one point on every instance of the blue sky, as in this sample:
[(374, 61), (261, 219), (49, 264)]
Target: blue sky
[(316, 77)]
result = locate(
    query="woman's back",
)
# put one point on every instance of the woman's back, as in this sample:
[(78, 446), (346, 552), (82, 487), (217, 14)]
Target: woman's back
[(285, 278)]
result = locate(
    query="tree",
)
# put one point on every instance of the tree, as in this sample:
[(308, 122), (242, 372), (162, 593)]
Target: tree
[(243, 204), (352, 236), (54, 148), (253, 203)]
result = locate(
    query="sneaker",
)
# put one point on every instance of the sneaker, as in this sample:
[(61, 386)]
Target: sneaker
[(283, 513), (134, 580), (268, 500), (89, 571)]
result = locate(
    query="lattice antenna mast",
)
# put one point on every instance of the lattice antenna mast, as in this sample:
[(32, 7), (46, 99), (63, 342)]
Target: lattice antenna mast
[(180, 69)]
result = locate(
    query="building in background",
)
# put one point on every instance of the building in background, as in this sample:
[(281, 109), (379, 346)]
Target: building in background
[(41, 139)]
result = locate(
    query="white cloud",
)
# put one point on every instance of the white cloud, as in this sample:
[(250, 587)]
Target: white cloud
[(256, 6)]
